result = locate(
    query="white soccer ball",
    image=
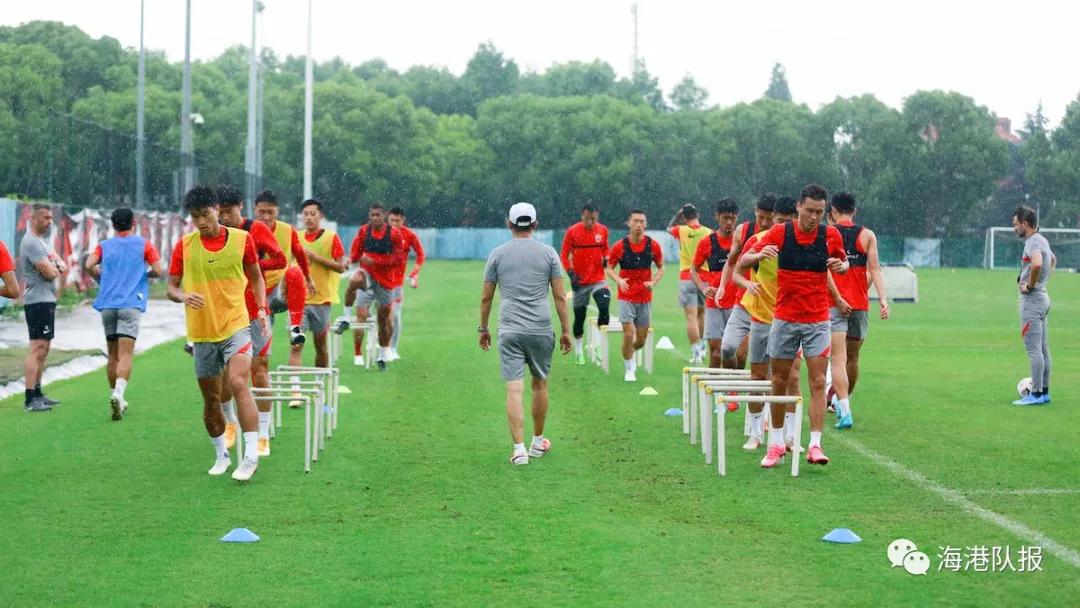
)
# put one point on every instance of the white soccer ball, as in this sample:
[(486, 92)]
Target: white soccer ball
[(1024, 387)]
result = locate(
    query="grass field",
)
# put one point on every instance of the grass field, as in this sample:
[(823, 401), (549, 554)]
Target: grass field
[(414, 503)]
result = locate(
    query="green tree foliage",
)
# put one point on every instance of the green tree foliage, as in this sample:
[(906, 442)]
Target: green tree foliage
[(778, 86), (687, 95)]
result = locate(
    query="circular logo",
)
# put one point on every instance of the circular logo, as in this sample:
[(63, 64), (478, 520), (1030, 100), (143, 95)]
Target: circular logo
[(597, 237)]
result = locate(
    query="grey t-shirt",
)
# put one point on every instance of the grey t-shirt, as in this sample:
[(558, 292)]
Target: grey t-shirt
[(32, 250), (523, 269), (1033, 243)]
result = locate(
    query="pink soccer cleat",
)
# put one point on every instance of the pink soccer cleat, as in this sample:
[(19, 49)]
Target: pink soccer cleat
[(816, 456), (773, 456)]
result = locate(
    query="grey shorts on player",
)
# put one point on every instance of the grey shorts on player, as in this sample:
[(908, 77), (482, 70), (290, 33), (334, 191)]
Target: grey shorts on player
[(261, 345), (689, 295), (716, 319), (316, 319), (786, 338), (854, 325), (120, 323), (638, 313), (735, 331), (374, 293), (211, 357), (584, 293), (758, 351), (518, 350)]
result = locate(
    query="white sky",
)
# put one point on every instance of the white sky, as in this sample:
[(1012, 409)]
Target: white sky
[(1008, 55)]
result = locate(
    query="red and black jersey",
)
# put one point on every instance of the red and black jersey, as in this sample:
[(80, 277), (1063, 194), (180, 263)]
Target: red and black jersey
[(386, 248), (584, 251), (853, 285), (802, 270), (713, 253), (635, 265)]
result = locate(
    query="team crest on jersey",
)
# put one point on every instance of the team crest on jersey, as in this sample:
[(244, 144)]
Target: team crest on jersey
[(596, 237)]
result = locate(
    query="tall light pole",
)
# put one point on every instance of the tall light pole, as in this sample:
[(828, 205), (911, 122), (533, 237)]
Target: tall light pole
[(634, 60), (252, 126), (308, 102), (187, 160), (140, 118)]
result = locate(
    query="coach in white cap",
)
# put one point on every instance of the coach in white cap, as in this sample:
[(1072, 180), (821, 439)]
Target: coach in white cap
[(523, 269)]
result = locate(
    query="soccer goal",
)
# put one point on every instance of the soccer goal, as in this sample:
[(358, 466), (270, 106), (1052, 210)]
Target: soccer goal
[(1003, 249)]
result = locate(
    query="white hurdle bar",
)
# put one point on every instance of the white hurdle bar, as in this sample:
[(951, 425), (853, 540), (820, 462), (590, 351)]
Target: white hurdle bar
[(644, 356), (305, 395), (689, 397), (282, 385), (706, 405), (332, 377), (721, 451), (371, 341)]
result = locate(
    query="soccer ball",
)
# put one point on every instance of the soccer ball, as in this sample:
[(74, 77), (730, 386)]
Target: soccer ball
[(1024, 387)]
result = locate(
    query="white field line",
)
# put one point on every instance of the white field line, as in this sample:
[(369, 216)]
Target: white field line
[(1026, 491), (1057, 549)]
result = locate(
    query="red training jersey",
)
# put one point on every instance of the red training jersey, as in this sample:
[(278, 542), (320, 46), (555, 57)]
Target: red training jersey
[(803, 295), (853, 285), (636, 267), (714, 259), (584, 251), (6, 263), (412, 242), (386, 248)]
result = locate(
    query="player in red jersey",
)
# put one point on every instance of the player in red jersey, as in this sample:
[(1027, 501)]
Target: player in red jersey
[(734, 343), (412, 242), (712, 253), (584, 255), (379, 249), (635, 255)]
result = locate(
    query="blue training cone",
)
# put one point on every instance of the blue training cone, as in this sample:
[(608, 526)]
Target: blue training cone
[(240, 535), (673, 411), (842, 535)]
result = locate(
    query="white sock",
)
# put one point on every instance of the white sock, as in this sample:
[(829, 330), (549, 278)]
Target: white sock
[(631, 364), (776, 436), (843, 406), (121, 384), (755, 425), (815, 438), (519, 448), (538, 439), (382, 353), (789, 425), (264, 424), (219, 446), (251, 445), (578, 347), (229, 409)]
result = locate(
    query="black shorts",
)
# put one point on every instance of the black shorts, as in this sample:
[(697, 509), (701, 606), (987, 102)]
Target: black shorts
[(41, 320)]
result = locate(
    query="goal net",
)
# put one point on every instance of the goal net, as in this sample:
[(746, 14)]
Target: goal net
[(1004, 250)]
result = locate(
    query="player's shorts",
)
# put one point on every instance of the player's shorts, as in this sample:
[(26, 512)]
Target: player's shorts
[(584, 293), (41, 320), (736, 329), (261, 346), (212, 357), (638, 313), (518, 350), (758, 351), (316, 319), (716, 320), (399, 295), (375, 292), (854, 325), (120, 323), (786, 338), (689, 295)]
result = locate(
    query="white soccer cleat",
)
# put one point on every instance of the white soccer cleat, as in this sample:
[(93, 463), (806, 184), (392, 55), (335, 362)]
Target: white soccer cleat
[(752, 444), (358, 360), (221, 465), (392, 355), (519, 458), (246, 469), (630, 377)]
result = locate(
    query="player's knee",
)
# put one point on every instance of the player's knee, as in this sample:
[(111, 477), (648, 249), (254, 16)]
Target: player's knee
[(728, 350), (579, 321), (602, 297)]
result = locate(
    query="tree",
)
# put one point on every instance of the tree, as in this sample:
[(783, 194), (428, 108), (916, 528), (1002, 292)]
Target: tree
[(571, 79), (687, 95), (488, 75), (642, 87), (778, 85)]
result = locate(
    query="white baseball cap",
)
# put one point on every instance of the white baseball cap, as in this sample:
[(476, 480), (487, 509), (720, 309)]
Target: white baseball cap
[(522, 214)]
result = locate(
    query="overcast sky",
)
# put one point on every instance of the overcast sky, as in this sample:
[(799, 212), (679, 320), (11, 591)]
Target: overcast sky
[(1008, 55)]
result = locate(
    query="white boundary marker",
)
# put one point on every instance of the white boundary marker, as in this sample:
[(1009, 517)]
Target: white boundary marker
[(1026, 491), (957, 498)]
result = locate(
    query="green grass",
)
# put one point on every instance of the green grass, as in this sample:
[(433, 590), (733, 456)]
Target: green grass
[(414, 503), (13, 360)]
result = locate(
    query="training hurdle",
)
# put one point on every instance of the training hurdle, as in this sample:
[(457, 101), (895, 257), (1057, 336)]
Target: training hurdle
[(706, 405), (721, 446), (690, 376), (371, 341), (331, 376), (310, 396), (599, 347)]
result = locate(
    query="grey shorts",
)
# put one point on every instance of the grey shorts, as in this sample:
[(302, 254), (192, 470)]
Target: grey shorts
[(736, 329), (518, 350), (584, 292), (758, 351), (374, 293), (211, 357), (716, 320), (120, 323), (689, 295), (854, 325), (316, 319), (638, 313), (260, 346), (786, 338)]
